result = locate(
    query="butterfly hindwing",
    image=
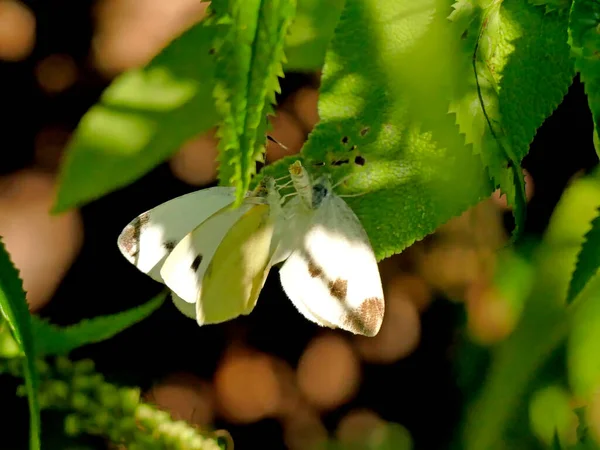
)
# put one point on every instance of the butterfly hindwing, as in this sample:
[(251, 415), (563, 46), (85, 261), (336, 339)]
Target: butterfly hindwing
[(149, 238), (184, 268), (185, 308), (332, 272), (238, 269)]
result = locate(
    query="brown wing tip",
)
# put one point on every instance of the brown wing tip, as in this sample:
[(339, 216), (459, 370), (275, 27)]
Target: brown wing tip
[(128, 240), (367, 319)]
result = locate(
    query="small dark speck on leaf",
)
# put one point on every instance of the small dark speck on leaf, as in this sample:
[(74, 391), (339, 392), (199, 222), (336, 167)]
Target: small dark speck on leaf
[(359, 161), (340, 162)]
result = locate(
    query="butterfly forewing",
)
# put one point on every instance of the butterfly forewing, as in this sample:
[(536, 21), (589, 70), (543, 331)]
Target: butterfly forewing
[(333, 272), (149, 238)]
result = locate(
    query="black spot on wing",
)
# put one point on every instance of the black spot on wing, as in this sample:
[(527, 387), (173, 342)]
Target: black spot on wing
[(169, 245), (196, 263)]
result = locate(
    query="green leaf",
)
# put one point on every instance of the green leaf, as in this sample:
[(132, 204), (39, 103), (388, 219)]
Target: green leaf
[(560, 6), (249, 61), (566, 234), (516, 70), (54, 340), (13, 307), (585, 45), (556, 441), (391, 109), (515, 362), (311, 33), (584, 340), (544, 324), (588, 260), (142, 118), (551, 417)]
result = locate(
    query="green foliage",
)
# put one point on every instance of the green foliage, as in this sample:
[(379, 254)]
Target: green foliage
[(583, 344), (13, 307), (558, 6), (512, 80), (388, 96), (585, 45), (588, 260), (310, 33), (392, 107), (515, 362), (142, 118), (545, 323), (249, 60), (566, 234), (54, 340), (146, 114), (97, 407), (585, 441), (551, 415)]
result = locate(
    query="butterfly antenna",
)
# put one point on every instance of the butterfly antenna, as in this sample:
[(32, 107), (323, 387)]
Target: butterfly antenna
[(352, 195), (347, 195), (342, 180), (272, 139)]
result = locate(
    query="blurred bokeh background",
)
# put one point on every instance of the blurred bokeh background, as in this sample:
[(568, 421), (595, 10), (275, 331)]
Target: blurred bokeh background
[(271, 378)]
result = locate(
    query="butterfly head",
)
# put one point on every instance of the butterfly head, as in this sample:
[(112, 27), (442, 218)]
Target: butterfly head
[(321, 188)]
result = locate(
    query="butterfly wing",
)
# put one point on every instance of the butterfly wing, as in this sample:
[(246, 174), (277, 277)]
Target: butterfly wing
[(237, 271), (185, 308), (149, 238), (332, 273), (184, 268)]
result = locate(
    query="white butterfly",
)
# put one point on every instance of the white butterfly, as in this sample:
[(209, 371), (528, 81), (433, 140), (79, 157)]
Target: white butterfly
[(330, 273), (181, 242), (216, 269)]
